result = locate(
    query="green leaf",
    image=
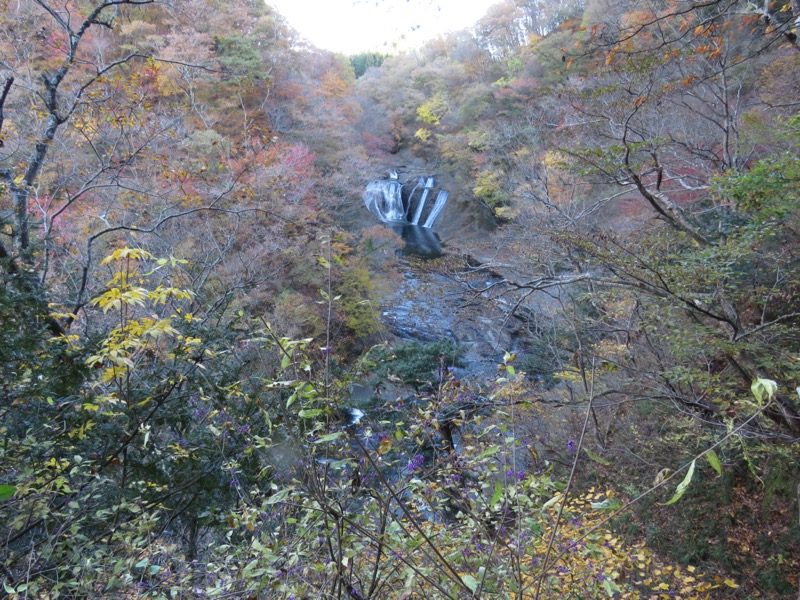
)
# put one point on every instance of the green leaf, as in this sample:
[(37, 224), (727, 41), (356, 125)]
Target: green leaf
[(596, 458), (279, 497), (607, 504), (470, 582), (763, 387), (682, 486), (310, 413), (329, 438), (491, 451), (498, 493), (324, 262), (610, 587), (713, 460), (551, 502), (6, 492)]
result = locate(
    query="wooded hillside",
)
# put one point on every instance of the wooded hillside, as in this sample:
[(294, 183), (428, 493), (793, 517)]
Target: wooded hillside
[(199, 396)]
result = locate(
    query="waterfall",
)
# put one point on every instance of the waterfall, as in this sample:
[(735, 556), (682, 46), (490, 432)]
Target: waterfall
[(421, 205), (386, 200), (438, 207), (411, 195)]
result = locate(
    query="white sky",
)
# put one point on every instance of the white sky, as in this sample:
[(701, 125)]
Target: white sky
[(352, 26)]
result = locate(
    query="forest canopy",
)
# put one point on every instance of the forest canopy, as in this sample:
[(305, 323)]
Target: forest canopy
[(202, 393)]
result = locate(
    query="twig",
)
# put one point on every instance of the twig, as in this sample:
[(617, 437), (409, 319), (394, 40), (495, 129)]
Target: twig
[(543, 574), (6, 88)]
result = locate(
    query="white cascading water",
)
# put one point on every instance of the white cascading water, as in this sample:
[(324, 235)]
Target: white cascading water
[(411, 195), (384, 199), (438, 207), (421, 205)]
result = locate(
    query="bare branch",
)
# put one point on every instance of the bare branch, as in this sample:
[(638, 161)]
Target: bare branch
[(6, 88)]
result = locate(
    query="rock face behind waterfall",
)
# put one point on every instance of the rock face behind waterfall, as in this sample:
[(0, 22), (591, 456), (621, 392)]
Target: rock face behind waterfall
[(415, 202)]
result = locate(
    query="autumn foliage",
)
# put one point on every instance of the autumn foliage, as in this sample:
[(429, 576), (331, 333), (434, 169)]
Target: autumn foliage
[(199, 393)]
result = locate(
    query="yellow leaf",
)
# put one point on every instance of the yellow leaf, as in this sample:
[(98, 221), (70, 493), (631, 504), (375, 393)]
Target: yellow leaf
[(731, 584)]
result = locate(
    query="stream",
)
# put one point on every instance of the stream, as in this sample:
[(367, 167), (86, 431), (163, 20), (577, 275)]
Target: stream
[(428, 306)]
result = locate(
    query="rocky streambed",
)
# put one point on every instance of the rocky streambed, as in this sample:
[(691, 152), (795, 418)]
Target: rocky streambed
[(427, 306)]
